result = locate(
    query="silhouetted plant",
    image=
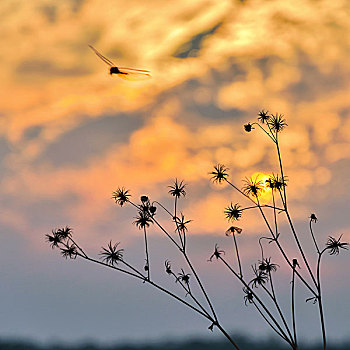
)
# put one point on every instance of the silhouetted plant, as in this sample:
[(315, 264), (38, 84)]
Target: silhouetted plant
[(259, 290), (111, 255)]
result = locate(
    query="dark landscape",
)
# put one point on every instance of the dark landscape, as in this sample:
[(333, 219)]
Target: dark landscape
[(194, 344)]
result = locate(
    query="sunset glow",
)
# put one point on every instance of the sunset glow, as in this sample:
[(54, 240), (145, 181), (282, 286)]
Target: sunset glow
[(71, 133), (266, 193)]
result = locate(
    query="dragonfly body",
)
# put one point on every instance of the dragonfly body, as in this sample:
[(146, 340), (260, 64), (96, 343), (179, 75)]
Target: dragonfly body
[(114, 70), (123, 72)]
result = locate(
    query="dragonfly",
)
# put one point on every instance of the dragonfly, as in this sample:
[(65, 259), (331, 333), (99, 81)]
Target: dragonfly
[(123, 72)]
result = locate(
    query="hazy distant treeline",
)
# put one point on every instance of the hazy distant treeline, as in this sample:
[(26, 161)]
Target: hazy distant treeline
[(244, 343)]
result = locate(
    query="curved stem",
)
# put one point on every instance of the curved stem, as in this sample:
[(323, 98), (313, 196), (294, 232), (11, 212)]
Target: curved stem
[(313, 237), (162, 206)]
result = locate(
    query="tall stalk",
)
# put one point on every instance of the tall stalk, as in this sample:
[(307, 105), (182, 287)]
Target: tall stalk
[(320, 306), (293, 307)]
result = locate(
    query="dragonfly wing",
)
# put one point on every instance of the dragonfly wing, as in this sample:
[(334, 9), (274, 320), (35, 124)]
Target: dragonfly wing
[(103, 58), (129, 75), (134, 69)]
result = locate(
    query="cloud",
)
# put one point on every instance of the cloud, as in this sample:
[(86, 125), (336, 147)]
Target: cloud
[(74, 130)]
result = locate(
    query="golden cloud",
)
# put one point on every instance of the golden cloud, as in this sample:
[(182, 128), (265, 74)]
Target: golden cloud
[(237, 58)]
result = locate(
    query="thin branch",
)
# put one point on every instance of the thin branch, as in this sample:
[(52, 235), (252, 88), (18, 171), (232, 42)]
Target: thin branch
[(193, 271), (300, 247), (320, 304), (238, 259), (167, 234), (269, 135), (284, 254), (264, 206), (147, 255), (258, 299), (200, 285), (293, 307), (176, 223), (189, 292), (145, 280), (240, 191), (269, 323), (163, 207), (274, 214), (82, 251), (273, 298)]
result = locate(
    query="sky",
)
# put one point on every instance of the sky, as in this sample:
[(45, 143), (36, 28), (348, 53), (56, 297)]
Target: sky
[(71, 134)]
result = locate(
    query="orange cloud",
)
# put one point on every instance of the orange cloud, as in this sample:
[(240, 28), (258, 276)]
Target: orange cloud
[(238, 58)]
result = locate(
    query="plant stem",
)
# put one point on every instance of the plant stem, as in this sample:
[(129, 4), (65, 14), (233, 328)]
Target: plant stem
[(176, 223), (293, 307), (189, 292), (313, 237), (227, 336), (267, 321), (72, 240), (283, 253), (241, 192), (281, 168), (300, 247), (147, 256), (238, 259), (200, 285), (167, 234), (271, 137), (162, 206), (289, 218), (193, 271), (132, 268), (138, 276), (145, 280), (320, 305), (263, 206), (274, 213), (285, 337), (273, 297)]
